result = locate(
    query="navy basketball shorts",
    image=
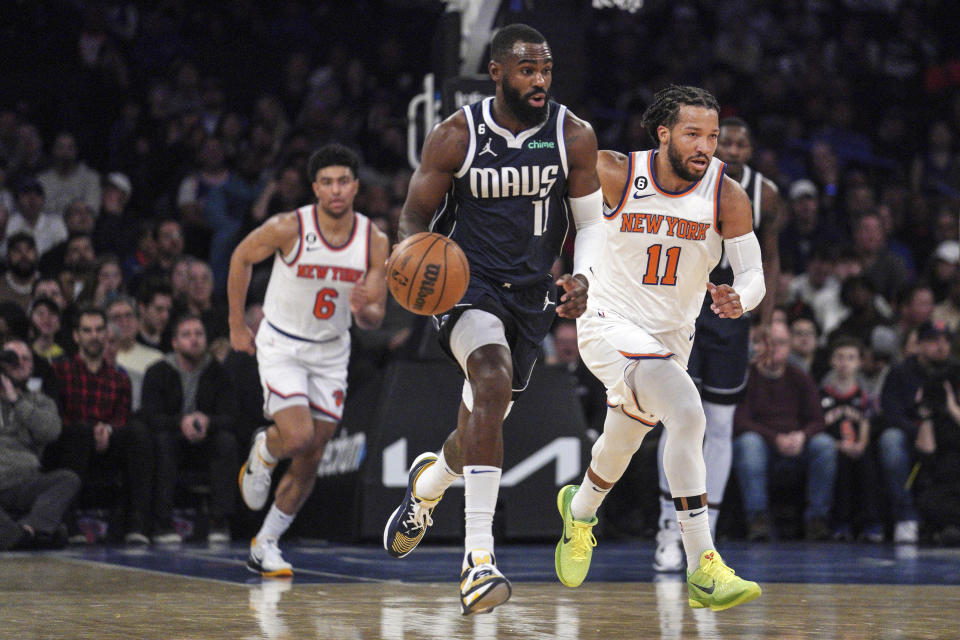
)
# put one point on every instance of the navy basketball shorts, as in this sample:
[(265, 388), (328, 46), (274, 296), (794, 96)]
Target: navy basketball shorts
[(527, 315), (720, 357)]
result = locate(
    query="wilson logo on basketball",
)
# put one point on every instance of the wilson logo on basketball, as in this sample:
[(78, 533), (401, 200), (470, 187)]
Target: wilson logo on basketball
[(428, 285)]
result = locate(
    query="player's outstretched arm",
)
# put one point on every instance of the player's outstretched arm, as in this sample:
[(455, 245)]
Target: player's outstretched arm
[(278, 233), (586, 206), (743, 249), (443, 154), (368, 299)]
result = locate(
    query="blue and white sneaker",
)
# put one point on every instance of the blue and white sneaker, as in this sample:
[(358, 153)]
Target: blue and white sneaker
[(410, 520), (482, 586)]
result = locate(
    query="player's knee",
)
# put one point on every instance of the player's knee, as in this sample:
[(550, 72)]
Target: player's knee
[(491, 383), (689, 417), (297, 438), (625, 431)]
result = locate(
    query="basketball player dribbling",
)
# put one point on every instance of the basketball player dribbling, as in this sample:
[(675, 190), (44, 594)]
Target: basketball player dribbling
[(719, 360), (328, 267), (507, 168), (667, 212)]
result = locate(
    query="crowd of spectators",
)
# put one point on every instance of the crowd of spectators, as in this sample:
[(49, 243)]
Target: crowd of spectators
[(140, 140)]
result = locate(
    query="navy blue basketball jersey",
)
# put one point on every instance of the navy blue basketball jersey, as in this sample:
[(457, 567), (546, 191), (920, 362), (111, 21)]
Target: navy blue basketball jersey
[(752, 183), (507, 209)]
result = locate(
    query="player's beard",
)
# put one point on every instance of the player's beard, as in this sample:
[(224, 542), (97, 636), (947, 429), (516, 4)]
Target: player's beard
[(676, 163), (525, 112)]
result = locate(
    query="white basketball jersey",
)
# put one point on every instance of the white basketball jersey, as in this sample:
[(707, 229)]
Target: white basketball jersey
[(661, 247), (308, 296)]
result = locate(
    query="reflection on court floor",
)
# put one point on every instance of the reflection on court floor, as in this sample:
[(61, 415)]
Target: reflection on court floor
[(199, 592)]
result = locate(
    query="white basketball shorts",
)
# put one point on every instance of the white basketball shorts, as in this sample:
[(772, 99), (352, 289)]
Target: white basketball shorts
[(609, 344), (298, 372)]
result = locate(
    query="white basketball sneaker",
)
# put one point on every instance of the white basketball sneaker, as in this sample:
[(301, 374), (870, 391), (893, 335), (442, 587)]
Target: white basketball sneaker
[(482, 586), (669, 556), (255, 475), (266, 560)]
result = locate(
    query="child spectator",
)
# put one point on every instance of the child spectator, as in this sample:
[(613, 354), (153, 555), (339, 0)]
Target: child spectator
[(846, 412)]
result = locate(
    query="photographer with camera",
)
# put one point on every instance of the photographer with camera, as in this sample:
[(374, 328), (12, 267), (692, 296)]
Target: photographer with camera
[(938, 451), (28, 422), (898, 404), (189, 404)]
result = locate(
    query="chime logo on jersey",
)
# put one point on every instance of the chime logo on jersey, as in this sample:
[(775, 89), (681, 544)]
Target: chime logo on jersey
[(511, 182)]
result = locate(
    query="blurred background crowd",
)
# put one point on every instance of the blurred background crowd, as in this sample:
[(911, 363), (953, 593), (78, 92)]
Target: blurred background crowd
[(139, 141)]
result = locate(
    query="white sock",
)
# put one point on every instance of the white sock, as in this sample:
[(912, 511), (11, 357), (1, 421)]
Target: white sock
[(714, 514), (434, 480), (265, 454), (275, 524), (587, 500), (481, 485), (695, 533)]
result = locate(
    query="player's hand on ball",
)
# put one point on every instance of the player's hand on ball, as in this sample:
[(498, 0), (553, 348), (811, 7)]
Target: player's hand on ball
[(241, 339), (726, 301), (573, 300)]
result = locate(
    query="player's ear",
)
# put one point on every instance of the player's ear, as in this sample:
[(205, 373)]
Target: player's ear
[(496, 70), (663, 134)]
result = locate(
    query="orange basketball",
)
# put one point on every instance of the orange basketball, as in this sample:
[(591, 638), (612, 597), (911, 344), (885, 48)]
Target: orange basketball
[(428, 273)]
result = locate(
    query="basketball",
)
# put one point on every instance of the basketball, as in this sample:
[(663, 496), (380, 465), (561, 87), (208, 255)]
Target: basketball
[(428, 273)]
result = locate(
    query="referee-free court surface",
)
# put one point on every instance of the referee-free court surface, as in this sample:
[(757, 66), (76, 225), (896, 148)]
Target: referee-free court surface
[(843, 591)]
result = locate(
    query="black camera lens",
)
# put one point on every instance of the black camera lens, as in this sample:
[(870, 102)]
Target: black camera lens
[(9, 356)]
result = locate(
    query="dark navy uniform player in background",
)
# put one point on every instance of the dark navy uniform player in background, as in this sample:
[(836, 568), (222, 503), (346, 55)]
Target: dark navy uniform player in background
[(719, 360), (503, 173)]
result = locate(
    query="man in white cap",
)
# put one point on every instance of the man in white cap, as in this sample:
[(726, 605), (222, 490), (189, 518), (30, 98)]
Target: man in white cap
[(945, 268), (114, 233), (805, 229)]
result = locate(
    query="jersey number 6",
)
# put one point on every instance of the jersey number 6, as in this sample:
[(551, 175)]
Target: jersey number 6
[(324, 307)]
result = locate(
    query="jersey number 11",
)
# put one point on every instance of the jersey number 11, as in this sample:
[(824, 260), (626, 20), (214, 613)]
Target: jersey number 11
[(652, 275)]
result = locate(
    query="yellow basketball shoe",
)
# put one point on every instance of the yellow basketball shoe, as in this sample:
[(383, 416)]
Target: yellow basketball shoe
[(575, 549), (715, 585)]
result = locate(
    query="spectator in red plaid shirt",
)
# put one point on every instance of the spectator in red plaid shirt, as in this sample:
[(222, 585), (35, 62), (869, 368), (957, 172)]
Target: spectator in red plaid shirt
[(94, 400)]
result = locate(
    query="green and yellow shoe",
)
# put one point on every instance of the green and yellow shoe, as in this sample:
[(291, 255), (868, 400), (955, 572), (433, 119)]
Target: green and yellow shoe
[(715, 585), (575, 548)]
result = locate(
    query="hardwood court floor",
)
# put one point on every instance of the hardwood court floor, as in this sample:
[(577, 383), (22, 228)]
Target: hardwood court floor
[(199, 594)]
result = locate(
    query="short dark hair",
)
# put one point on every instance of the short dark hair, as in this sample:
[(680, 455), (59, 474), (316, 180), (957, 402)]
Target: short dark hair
[(332, 155), (156, 228), (151, 288), (740, 123), (185, 317), (43, 278), (733, 121), (665, 109), (44, 301), (507, 36), (21, 237), (79, 235), (89, 311), (844, 340)]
